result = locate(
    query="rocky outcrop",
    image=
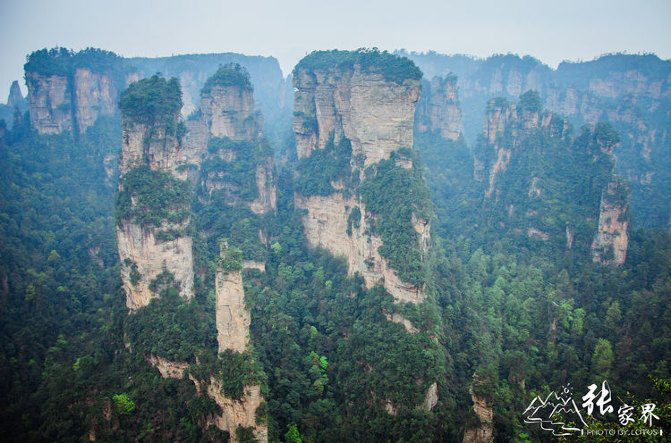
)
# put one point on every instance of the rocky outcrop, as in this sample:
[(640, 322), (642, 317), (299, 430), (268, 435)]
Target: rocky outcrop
[(92, 80), (167, 368), (431, 397), (12, 112), (60, 103), (229, 112), (484, 432), (234, 412), (232, 321), (154, 146), (611, 241), (631, 91), (375, 114), (148, 250), (400, 319), (95, 95), (15, 100), (529, 158), (144, 257), (228, 115), (232, 316), (439, 108), (50, 103), (266, 200), (326, 226), (238, 412), (505, 125)]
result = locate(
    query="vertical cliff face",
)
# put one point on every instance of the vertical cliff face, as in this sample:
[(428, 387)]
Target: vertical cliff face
[(70, 90), (351, 115), (95, 95), (632, 92), (15, 98), (612, 239), (375, 114), (235, 137), (162, 158), (233, 320), (266, 186), (237, 172), (154, 203), (232, 317), (506, 126), (528, 158), (13, 111), (229, 111), (439, 108), (483, 431), (66, 95), (50, 103)]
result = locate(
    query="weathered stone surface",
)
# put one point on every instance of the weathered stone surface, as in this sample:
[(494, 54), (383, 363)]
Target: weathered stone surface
[(158, 148), (484, 433), (439, 108), (167, 368), (235, 412), (138, 244), (612, 238), (400, 319), (266, 201), (95, 95), (50, 103), (431, 397), (15, 99), (232, 317), (326, 224), (238, 412), (251, 264), (376, 115), (229, 112)]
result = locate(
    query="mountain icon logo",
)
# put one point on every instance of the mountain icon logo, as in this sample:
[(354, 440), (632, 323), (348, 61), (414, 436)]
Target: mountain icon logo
[(558, 414)]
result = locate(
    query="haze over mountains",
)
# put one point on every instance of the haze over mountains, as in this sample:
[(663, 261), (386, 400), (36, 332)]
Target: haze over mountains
[(406, 247)]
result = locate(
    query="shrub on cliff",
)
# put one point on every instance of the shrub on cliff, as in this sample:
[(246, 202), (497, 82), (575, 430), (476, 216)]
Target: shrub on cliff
[(54, 61), (394, 194), (150, 197), (153, 100), (393, 67), (231, 74), (63, 61)]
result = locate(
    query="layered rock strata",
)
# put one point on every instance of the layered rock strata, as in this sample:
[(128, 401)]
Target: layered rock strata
[(439, 108), (377, 116)]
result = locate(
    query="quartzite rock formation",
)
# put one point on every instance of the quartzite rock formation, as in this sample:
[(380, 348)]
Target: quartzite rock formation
[(377, 116)]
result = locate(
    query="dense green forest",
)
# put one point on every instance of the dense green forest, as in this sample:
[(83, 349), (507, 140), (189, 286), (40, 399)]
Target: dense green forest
[(508, 315), (544, 315)]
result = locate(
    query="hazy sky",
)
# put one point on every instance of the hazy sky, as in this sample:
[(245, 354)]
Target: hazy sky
[(549, 30)]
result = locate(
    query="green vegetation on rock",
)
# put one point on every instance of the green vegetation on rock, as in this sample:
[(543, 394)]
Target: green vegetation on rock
[(237, 370), (393, 194), (62, 61), (324, 167), (392, 67), (232, 163), (149, 197), (231, 74), (153, 101)]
